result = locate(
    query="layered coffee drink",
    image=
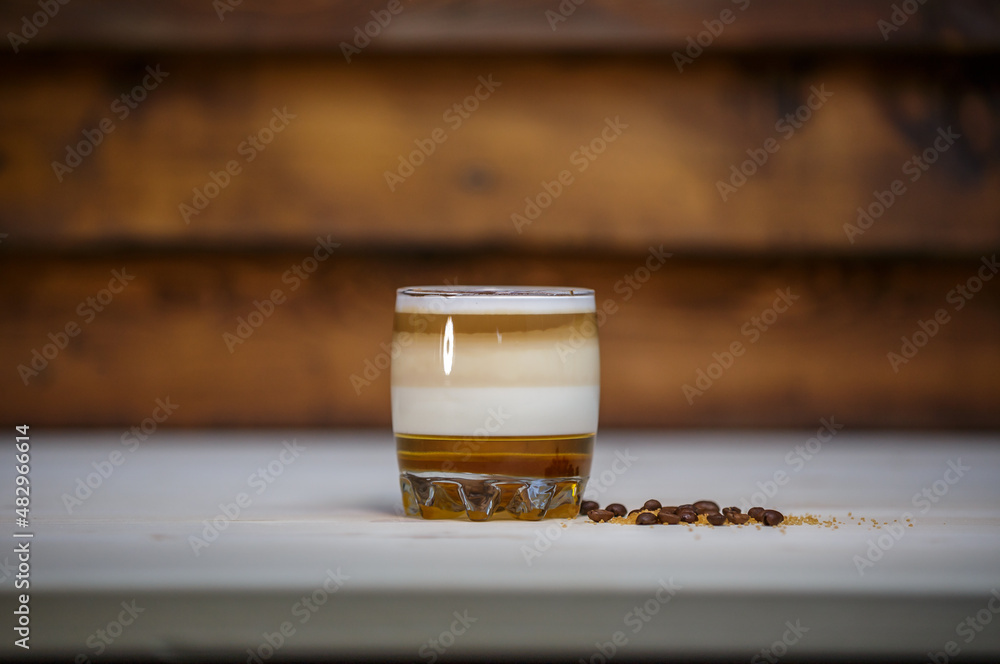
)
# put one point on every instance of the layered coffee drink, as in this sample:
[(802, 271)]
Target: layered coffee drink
[(495, 395)]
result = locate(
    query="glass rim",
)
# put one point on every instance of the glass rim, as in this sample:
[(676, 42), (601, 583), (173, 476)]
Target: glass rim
[(494, 291), (495, 300)]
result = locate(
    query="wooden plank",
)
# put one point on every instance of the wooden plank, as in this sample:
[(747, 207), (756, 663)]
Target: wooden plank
[(681, 135), (513, 26), (162, 336)]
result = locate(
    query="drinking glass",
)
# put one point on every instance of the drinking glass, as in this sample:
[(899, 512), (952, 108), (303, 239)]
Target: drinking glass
[(495, 393)]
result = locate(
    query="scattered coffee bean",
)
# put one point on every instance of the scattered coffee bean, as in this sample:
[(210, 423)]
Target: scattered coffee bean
[(652, 512), (772, 517), (617, 509)]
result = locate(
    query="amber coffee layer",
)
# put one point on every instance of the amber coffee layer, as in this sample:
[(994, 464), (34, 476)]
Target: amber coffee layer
[(522, 477), (518, 456)]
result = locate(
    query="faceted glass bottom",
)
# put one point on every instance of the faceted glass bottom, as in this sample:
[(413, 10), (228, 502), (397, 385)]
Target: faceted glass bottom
[(486, 497)]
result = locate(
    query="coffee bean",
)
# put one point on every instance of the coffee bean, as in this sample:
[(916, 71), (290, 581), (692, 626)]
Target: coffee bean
[(652, 512), (617, 509), (772, 517)]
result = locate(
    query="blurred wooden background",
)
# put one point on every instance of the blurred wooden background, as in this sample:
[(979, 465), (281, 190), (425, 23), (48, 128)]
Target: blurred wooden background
[(871, 90)]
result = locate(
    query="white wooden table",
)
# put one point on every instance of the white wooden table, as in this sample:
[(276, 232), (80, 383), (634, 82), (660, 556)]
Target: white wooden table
[(320, 561)]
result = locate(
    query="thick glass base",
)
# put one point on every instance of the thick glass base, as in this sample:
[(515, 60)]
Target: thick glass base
[(487, 497)]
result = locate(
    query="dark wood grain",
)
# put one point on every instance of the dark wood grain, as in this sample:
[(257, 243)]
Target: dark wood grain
[(512, 26), (658, 181), (162, 336)]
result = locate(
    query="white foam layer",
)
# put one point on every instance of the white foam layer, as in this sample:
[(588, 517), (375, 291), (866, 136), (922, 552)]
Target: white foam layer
[(495, 411), (494, 300)]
